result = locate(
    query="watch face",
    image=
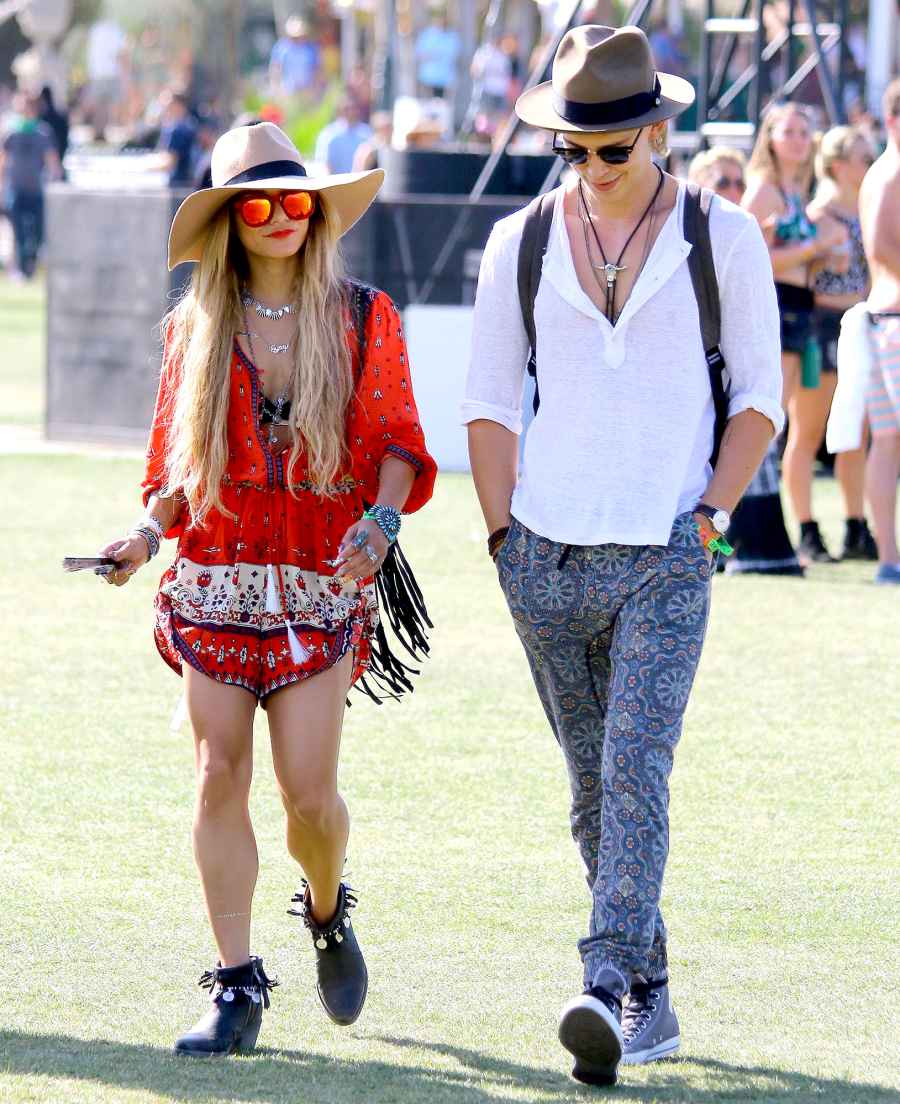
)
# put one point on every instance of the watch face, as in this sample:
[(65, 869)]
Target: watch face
[(721, 519)]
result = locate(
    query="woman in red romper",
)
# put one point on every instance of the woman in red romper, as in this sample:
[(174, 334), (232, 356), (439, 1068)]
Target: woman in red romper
[(285, 414)]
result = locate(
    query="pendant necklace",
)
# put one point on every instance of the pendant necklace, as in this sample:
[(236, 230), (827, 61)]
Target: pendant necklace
[(274, 313), (611, 270), (278, 403), (276, 350)]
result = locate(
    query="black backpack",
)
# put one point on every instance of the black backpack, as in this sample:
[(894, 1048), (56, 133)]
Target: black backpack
[(535, 237)]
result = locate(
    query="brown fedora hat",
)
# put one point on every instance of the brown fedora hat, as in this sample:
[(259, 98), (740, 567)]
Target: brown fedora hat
[(263, 157), (604, 79)]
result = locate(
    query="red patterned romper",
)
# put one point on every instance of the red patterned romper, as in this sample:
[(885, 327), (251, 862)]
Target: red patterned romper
[(251, 602)]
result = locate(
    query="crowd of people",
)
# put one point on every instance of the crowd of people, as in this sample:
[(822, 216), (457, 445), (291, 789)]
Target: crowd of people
[(804, 191)]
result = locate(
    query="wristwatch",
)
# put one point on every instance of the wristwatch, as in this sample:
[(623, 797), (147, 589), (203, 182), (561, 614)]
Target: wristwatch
[(720, 519)]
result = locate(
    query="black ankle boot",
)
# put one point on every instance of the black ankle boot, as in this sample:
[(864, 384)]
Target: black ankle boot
[(342, 980), (239, 994), (859, 544), (811, 548)]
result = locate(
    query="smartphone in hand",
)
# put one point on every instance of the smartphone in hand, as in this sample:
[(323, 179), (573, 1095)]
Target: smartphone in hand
[(100, 565)]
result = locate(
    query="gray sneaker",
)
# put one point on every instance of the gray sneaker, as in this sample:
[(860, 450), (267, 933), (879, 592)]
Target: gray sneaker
[(589, 1029), (648, 1022)]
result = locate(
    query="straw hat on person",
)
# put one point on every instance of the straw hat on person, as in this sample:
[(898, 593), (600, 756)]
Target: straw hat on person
[(262, 157), (604, 79)]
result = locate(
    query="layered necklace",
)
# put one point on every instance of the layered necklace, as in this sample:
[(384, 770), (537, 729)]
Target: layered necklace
[(612, 269), (275, 314), (278, 407)]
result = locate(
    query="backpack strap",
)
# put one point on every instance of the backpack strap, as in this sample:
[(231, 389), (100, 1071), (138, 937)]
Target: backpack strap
[(706, 291), (532, 247)]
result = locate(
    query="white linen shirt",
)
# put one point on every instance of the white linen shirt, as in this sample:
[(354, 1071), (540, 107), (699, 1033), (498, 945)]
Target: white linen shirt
[(621, 442)]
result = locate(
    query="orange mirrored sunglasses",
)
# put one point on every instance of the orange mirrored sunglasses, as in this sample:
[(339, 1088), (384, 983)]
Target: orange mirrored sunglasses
[(257, 208)]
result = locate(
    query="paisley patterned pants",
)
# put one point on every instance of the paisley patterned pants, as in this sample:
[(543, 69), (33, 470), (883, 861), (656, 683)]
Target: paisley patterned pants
[(613, 635)]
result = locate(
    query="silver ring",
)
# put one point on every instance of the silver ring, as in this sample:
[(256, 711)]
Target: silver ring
[(372, 554), (360, 539)]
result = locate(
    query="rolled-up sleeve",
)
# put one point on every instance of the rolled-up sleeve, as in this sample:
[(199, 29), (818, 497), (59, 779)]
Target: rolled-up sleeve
[(499, 345), (751, 332)]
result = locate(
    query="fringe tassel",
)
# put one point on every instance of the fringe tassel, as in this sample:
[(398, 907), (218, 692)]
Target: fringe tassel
[(402, 606), (299, 654), (272, 603)]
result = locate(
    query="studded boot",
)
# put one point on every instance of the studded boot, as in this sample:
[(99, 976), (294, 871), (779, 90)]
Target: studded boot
[(231, 1025), (342, 979)]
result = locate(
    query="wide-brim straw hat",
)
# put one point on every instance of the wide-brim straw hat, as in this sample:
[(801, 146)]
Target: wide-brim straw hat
[(262, 157), (604, 79)]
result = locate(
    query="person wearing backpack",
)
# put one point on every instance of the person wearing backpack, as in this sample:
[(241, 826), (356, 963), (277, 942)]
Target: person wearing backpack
[(655, 350)]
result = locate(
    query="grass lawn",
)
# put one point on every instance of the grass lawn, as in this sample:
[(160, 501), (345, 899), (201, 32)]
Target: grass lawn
[(22, 340), (781, 892)]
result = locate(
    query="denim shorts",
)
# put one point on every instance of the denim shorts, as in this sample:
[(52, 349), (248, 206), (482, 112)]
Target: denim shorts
[(795, 306)]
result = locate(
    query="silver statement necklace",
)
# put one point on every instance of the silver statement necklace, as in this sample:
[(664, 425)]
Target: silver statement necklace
[(274, 313), (278, 348), (280, 402)]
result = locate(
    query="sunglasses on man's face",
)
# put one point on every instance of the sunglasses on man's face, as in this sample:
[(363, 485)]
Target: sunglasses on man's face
[(609, 155), (258, 209)]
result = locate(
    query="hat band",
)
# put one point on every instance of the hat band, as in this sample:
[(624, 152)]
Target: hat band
[(266, 171), (614, 111)]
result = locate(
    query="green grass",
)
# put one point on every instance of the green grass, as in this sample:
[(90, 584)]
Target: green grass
[(781, 891), (22, 344)]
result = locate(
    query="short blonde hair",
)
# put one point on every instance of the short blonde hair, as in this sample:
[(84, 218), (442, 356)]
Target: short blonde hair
[(837, 145), (706, 159)]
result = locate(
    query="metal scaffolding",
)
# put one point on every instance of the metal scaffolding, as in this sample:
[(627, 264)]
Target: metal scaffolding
[(774, 73)]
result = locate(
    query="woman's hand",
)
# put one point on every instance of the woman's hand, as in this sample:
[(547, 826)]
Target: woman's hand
[(130, 553), (363, 550)]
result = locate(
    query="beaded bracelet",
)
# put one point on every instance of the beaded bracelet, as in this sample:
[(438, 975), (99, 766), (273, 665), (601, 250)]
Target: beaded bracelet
[(154, 523), (149, 535), (387, 518)]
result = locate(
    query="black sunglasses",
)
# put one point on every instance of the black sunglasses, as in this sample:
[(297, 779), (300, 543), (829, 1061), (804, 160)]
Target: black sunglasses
[(728, 182), (610, 155)]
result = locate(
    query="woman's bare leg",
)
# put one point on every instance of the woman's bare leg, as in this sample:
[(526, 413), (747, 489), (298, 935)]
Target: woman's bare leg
[(305, 726), (882, 470), (808, 412), (790, 376), (224, 844)]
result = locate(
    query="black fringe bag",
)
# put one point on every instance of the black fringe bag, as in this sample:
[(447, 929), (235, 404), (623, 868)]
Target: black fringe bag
[(400, 599)]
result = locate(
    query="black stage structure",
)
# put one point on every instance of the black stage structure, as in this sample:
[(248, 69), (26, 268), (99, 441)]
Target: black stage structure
[(434, 216)]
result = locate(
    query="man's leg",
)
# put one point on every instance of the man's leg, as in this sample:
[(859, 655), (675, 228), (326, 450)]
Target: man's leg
[(656, 647), (883, 465), (562, 634), (882, 469)]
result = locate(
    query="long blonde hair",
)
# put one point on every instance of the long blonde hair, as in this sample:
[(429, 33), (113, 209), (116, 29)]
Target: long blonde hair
[(763, 160), (200, 332)]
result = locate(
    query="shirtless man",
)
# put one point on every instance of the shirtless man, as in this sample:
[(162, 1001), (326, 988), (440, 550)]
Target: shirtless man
[(879, 204)]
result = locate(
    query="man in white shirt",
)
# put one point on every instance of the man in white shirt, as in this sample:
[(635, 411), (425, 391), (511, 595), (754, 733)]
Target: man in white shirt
[(606, 564)]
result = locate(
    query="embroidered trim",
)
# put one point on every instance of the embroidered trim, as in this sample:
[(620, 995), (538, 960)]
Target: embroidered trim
[(404, 454)]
